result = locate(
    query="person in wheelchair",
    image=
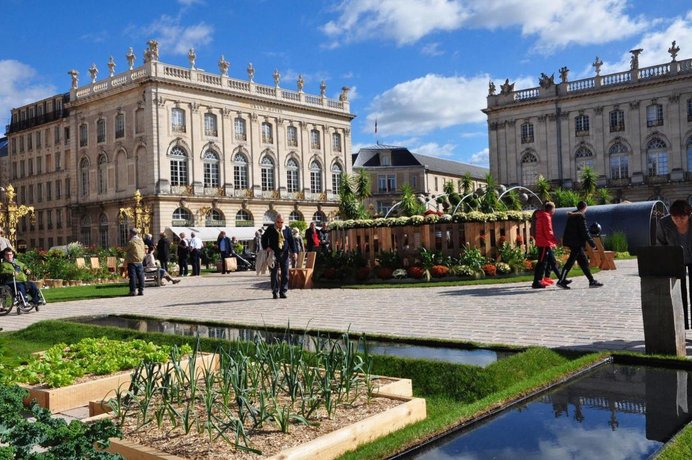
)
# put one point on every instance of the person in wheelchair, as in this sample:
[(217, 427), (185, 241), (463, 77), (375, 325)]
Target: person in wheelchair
[(13, 272)]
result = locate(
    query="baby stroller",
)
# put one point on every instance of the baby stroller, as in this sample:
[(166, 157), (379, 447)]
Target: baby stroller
[(246, 261), (11, 296)]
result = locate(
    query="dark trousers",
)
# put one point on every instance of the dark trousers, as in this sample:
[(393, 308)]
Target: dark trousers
[(577, 253), (196, 262), (182, 262), (280, 284), (685, 285), (24, 287), (136, 274), (224, 255), (546, 264), (164, 264)]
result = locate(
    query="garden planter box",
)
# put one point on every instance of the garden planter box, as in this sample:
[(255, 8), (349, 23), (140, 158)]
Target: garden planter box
[(100, 388), (328, 446)]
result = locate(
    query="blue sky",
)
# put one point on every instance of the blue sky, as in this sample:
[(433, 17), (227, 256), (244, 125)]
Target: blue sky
[(420, 67)]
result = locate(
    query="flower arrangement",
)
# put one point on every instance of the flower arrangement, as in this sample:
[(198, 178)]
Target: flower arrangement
[(463, 270), (439, 271), (399, 273), (529, 265), (503, 268), (490, 269), (416, 272)]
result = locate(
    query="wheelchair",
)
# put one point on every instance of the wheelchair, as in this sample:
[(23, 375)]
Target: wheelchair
[(11, 297)]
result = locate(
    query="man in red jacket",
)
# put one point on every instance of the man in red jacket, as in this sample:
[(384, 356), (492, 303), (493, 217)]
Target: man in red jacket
[(545, 242)]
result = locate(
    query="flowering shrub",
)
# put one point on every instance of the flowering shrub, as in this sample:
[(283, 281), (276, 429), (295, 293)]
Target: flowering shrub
[(503, 268), (463, 270), (529, 265), (439, 271), (416, 272), (490, 269)]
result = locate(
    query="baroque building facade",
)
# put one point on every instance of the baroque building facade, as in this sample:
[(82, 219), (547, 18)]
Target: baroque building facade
[(633, 128), (204, 149)]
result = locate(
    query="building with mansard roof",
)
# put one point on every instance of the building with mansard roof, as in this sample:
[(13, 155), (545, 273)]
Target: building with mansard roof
[(204, 149), (633, 128), (390, 167)]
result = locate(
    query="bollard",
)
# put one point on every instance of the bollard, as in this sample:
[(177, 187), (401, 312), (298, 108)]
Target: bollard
[(662, 311)]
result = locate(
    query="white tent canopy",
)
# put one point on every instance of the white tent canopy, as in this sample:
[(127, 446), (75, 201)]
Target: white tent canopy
[(212, 233)]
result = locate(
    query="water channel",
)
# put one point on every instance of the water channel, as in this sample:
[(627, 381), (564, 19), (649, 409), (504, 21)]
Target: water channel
[(475, 356), (612, 412)]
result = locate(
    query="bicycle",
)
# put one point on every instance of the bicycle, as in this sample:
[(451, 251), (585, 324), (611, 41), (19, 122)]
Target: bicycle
[(11, 297)]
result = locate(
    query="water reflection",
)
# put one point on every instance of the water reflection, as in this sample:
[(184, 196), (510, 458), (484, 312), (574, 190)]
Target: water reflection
[(614, 412), (474, 357)]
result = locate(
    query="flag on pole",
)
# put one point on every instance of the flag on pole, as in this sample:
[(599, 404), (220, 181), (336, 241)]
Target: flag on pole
[(375, 125)]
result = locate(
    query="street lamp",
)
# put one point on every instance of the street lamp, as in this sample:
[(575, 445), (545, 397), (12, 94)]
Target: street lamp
[(11, 212), (139, 214)]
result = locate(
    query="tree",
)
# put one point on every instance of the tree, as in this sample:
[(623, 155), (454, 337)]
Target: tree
[(543, 188), (603, 196), (489, 202), (466, 183), (512, 201), (348, 203), (409, 204), (362, 185), (588, 183)]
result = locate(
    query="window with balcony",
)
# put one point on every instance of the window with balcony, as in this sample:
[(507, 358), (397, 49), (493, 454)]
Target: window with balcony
[(243, 218), (527, 133), (179, 166), (267, 133), (656, 157), (617, 121), (315, 177), (84, 176), (292, 176), (182, 218), (83, 135), (120, 125), (178, 120), (581, 125), (315, 143), (101, 131), (210, 161), (336, 142), (240, 172), (583, 158), (102, 174), (654, 115), (210, 128), (267, 171), (240, 132), (337, 172), (529, 169), (292, 136)]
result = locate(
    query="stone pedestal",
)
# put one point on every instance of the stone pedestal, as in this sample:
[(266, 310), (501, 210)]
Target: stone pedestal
[(662, 311)]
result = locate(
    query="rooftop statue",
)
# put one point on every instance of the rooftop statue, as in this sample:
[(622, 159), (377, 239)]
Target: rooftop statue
[(673, 50), (597, 65), (564, 73), (506, 87), (323, 88), (491, 88), (153, 49), (130, 56), (546, 81), (343, 97), (223, 66), (300, 83), (111, 67), (277, 77), (634, 61), (192, 57), (75, 78), (93, 71), (250, 72)]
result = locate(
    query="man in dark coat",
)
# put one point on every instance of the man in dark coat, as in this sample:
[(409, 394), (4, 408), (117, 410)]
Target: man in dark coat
[(279, 239), (223, 244), (575, 237), (163, 247), (312, 237)]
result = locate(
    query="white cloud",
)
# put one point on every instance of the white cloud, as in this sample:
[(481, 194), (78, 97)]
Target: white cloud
[(433, 149), (190, 2), (432, 49), (176, 38), (481, 158), (18, 87)]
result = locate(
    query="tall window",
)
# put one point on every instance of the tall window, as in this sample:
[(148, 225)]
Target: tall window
[(182, 218), (315, 139), (215, 218), (689, 109), (123, 232), (295, 216), (292, 136), (179, 174), (529, 168), (619, 161), (101, 131), (102, 177), (139, 121), (240, 173), (29, 142), (85, 231), (210, 161), (583, 158), (527, 133), (239, 129), (267, 167), (119, 125), (178, 120), (689, 154), (103, 231), (292, 182), (336, 142), (336, 177), (210, 125), (38, 139), (56, 135), (654, 115), (656, 157), (83, 136), (315, 177), (267, 133), (581, 125), (84, 176), (617, 121), (243, 218)]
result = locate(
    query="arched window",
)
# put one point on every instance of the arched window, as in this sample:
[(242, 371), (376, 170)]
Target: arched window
[(84, 176), (619, 161), (85, 231), (210, 160), (319, 218), (315, 143), (267, 133), (656, 157), (295, 216), (178, 120), (689, 154), (215, 218), (292, 177), (336, 142), (529, 169), (336, 177), (103, 231), (102, 174), (583, 158), (210, 125), (239, 129), (240, 173), (267, 167), (292, 136), (315, 177), (243, 218), (182, 218), (179, 168)]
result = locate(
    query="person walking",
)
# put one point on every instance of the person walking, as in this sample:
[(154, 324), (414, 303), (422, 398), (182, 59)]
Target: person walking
[(545, 242), (196, 246), (575, 236), (183, 254), (163, 247), (674, 230), (312, 238), (223, 244), (279, 239), (134, 255)]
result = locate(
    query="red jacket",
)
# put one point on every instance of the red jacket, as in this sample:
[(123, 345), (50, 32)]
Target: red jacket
[(544, 230)]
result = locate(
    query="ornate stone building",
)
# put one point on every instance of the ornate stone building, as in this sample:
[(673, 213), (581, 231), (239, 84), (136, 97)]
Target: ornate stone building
[(633, 128), (204, 149)]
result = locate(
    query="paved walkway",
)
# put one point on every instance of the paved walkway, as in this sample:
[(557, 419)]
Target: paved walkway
[(608, 318)]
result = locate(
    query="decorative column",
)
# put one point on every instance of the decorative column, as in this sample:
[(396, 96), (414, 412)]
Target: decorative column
[(11, 212), (139, 214)]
